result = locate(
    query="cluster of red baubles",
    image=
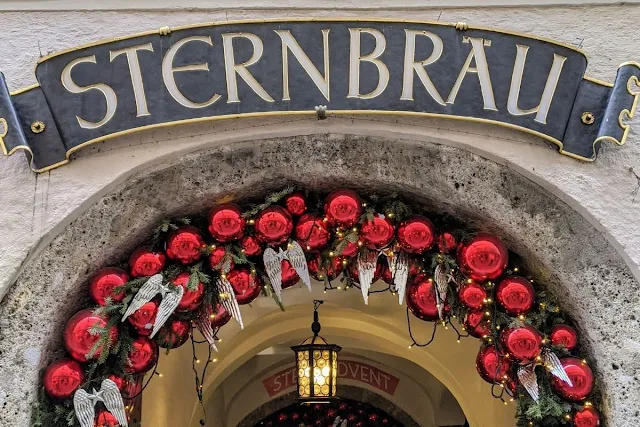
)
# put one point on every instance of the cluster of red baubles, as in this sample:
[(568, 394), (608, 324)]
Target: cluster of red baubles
[(324, 415)]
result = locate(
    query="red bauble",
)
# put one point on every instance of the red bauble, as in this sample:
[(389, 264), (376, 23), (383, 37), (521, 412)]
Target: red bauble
[(350, 250), (273, 225), (483, 258), (296, 203), (377, 233), (174, 333), (343, 207), (472, 295), (185, 245), (144, 262), (245, 285), (62, 378), (565, 336), (289, 274), (331, 271), (105, 419), (581, 377), (386, 273), (446, 242), (523, 342), (190, 299), (380, 270), (216, 259), (421, 299), (492, 367), (516, 295), (312, 233), (144, 317), (104, 282), (476, 324), (251, 246), (416, 234), (586, 417), (220, 316), (142, 356), (78, 338), (128, 389), (226, 223)]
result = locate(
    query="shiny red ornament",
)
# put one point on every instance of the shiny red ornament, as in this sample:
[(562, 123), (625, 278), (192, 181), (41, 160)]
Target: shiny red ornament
[(416, 234), (446, 242), (343, 207), (143, 318), (350, 250), (103, 284), (581, 377), (523, 343), (296, 203), (492, 367), (516, 295), (289, 275), (105, 419), (377, 233), (312, 232), (142, 356), (484, 258), (184, 245), (251, 246), (216, 259), (472, 295), (174, 333), (128, 389), (565, 336), (386, 273), (476, 324), (144, 262), (586, 417), (62, 378), (331, 271), (380, 270), (220, 316), (246, 286), (78, 338), (421, 299), (273, 225), (226, 223), (190, 299)]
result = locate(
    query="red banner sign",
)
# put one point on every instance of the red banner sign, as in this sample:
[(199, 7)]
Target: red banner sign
[(347, 370)]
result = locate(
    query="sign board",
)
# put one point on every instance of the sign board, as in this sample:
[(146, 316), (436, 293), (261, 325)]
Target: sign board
[(296, 67)]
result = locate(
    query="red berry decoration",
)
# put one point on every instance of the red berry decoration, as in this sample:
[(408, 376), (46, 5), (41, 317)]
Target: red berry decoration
[(78, 338), (216, 259), (492, 367), (319, 270), (476, 324), (104, 282), (565, 336), (523, 343), (472, 295), (105, 419), (416, 234), (144, 262), (586, 417), (251, 246), (343, 207), (226, 223), (312, 232), (184, 245), (246, 286), (142, 356), (421, 299), (220, 316), (377, 233), (62, 378), (174, 333), (446, 242), (144, 317), (191, 299), (295, 203), (516, 295), (273, 225), (289, 274), (483, 258), (581, 377)]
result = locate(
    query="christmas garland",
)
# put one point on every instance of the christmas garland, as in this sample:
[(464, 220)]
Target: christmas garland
[(195, 272)]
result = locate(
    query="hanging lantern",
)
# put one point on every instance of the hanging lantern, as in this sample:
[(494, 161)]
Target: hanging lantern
[(316, 365)]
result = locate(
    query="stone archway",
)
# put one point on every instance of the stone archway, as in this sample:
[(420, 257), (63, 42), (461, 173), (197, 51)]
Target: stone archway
[(572, 255)]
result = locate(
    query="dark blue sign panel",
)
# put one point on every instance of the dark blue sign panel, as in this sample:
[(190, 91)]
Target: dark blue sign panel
[(216, 71)]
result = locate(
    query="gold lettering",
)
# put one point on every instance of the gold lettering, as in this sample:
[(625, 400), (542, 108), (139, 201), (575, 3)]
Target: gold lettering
[(411, 65), (289, 43), (355, 59), (231, 68), (136, 75), (108, 93), (168, 71), (549, 91), (481, 68)]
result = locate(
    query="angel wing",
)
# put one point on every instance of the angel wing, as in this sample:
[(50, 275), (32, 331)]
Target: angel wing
[(366, 271), (553, 365), (149, 290), (203, 323), (529, 380), (168, 305), (113, 401), (399, 266), (228, 300), (273, 266), (298, 261), (442, 285), (83, 406)]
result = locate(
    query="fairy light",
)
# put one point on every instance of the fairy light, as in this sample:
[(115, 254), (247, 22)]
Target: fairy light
[(252, 221)]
